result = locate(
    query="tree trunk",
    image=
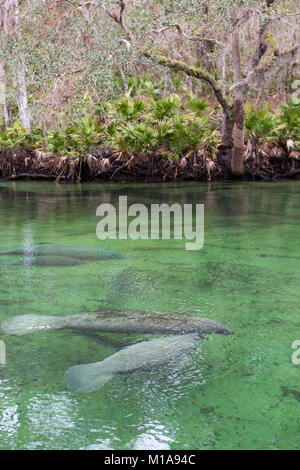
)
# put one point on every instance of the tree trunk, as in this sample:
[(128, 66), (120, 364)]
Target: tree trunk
[(22, 97), (240, 96), (11, 26), (228, 123), (3, 106), (21, 77), (3, 111), (237, 162)]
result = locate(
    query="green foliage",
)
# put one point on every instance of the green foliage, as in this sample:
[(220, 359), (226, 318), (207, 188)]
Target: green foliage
[(160, 125), (129, 108), (290, 121), (178, 82), (165, 107), (261, 124), (56, 143), (264, 124), (76, 141), (144, 86), (172, 126), (136, 138), (16, 137), (198, 105)]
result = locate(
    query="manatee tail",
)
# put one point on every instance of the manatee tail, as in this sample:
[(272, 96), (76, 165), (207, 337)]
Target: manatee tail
[(26, 324), (88, 377)]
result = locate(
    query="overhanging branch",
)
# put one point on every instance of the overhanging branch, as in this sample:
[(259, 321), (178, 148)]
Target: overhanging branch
[(193, 72)]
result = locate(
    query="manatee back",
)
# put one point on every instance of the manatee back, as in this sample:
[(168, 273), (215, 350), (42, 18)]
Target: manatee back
[(150, 353)]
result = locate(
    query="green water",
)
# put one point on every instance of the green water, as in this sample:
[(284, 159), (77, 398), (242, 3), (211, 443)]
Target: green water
[(237, 392)]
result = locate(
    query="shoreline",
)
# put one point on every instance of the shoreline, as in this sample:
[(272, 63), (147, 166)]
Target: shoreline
[(268, 161)]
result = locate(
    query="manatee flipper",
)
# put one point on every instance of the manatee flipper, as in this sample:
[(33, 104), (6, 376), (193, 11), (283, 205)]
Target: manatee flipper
[(26, 324), (87, 377)]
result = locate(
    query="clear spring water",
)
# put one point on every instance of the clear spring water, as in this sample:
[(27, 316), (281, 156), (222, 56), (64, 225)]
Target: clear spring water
[(236, 392)]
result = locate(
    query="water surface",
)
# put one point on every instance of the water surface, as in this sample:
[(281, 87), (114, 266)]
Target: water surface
[(236, 392)]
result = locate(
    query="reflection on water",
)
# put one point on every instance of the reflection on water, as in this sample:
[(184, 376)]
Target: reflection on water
[(28, 245), (154, 437), (230, 394)]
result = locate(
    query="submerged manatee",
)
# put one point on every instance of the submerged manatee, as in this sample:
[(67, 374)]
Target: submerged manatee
[(127, 321), (90, 377), (41, 261), (54, 261), (51, 255)]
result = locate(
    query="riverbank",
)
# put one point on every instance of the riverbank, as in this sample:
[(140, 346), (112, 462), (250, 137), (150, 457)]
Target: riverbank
[(268, 161), (150, 139)]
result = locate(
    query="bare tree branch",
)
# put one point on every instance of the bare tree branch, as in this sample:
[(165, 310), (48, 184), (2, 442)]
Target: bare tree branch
[(294, 49), (117, 16), (197, 37), (259, 51)]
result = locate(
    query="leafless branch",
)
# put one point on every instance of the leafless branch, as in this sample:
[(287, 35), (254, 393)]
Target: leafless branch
[(259, 51), (291, 51), (197, 37), (117, 16)]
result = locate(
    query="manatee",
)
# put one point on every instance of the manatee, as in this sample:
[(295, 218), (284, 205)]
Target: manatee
[(55, 261), (9, 261), (146, 354), (83, 253), (48, 261), (117, 321)]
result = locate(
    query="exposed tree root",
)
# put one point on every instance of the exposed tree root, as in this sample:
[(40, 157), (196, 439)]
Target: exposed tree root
[(267, 161)]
